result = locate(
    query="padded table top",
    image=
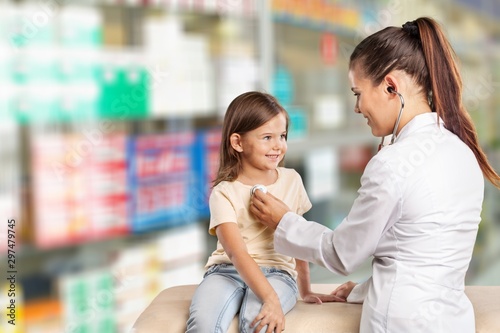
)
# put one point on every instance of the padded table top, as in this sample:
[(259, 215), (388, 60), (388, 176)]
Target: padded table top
[(168, 312)]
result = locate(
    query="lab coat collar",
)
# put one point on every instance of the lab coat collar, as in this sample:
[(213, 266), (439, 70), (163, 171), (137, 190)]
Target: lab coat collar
[(418, 122)]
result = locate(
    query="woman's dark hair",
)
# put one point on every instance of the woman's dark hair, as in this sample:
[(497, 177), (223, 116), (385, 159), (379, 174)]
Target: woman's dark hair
[(245, 113), (422, 50)]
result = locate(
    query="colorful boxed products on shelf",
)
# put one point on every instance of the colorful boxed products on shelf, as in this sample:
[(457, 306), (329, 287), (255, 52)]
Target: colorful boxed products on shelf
[(55, 67), (79, 188), (88, 302), (206, 163), (88, 186), (161, 180), (170, 177), (109, 298)]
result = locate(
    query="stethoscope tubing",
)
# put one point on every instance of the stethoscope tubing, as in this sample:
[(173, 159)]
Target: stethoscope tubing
[(399, 117), (396, 125)]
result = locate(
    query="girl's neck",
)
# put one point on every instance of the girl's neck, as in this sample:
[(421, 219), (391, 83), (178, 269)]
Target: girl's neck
[(264, 178)]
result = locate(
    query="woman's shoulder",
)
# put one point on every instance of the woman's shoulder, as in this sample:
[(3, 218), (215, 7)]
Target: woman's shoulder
[(383, 161)]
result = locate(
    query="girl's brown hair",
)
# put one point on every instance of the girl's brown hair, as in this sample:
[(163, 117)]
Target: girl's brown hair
[(245, 113), (422, 50)]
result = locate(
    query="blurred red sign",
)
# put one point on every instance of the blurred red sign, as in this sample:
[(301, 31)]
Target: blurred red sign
[(329, 48)]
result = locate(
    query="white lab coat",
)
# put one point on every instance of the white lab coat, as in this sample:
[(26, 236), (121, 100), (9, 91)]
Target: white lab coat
[(417, 214)]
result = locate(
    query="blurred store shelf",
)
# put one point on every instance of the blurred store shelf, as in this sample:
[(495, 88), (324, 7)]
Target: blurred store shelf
[(110, 118)]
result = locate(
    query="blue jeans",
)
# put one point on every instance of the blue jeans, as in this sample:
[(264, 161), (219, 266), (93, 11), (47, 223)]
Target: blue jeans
[(223, 293)]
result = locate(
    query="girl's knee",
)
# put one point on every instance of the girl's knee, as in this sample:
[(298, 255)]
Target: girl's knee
[(201, 323)]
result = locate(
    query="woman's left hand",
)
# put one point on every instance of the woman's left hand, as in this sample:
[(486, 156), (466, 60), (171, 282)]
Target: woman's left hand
[(344, 290), (320, 298), (268, 209)]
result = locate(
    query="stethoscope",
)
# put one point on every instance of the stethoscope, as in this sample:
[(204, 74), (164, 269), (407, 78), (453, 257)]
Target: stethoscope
[(393, 91)]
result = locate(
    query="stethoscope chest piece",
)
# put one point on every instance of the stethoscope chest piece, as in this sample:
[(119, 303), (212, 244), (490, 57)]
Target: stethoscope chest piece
[(258, 187)]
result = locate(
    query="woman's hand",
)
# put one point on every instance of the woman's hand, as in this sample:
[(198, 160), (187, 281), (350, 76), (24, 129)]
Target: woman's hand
[(320, 298), (270, 315), (344, 290), (267, 209)]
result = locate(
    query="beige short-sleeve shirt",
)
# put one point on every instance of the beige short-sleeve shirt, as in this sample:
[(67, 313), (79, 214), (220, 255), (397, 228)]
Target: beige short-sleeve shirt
[(229, 203)]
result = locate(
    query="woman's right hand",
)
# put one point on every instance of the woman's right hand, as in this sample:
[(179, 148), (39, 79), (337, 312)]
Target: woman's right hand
[(268, 209), (344, 290)]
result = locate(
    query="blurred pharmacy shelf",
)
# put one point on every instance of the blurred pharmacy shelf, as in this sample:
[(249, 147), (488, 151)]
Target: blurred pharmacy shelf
[(110, 117)]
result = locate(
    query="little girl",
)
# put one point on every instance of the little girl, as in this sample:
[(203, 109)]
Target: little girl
[(245, 274)]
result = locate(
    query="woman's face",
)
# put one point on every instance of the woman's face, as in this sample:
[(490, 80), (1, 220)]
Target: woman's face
[(373, 103)]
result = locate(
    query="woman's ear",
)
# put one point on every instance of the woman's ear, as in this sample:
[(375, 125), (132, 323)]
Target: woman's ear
[(235, 140), (390, 84)]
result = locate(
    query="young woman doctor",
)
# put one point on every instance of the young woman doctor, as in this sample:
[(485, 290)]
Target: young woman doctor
[(419, 205)]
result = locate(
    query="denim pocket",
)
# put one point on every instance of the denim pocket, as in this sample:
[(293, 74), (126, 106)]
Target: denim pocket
[(212, 269), (221, 268), (284, 275)]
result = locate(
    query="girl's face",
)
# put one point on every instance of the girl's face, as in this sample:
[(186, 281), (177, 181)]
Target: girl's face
[(263, 148), (372, 103)]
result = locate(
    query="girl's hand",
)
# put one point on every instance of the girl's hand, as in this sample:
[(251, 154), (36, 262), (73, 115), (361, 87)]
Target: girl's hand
[(270, 315), (320, 298), (344, 290)]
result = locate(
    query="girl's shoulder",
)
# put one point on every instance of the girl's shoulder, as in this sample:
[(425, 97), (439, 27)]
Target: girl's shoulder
[(230, 188), (223, 186), (287, 173)]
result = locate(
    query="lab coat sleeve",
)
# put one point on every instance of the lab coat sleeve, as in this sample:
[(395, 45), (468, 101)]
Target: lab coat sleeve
[(296, 237), (375, 210), (359, 292)]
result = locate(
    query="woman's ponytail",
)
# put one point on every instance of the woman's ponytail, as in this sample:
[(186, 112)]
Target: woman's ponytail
[(446, 91)]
